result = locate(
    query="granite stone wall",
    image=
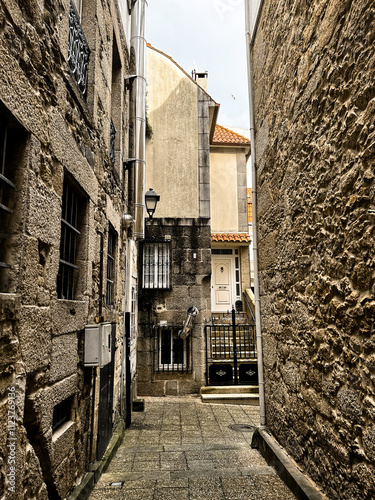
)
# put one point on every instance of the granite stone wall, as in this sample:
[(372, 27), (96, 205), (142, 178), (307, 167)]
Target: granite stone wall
[(314, 97), (190, 285), (56, 134)]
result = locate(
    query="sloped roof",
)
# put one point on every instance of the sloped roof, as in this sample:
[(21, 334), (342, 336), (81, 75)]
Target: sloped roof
[(231, 237), (224, 135), (180, 68)]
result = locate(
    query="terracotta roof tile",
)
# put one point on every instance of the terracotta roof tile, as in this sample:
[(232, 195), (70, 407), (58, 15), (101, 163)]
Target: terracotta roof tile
[(223, 135), (231, 237)]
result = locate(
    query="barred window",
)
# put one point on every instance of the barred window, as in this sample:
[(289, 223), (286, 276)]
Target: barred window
[(172, 351), (73, 204), (7, 189), (110, 265), (61, 413), (156, 265), (13, 139)]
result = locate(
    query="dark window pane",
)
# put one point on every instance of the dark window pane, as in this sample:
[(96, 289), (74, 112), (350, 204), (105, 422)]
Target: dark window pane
[(178, 351), (165, 347)]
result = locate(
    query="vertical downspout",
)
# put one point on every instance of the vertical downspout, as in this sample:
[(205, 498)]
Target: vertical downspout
[(101, 272), (255, 226), (138, 44)]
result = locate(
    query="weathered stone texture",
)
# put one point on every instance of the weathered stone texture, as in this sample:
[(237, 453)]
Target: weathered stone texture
[(190, 286), (314, 96), (60, 135)]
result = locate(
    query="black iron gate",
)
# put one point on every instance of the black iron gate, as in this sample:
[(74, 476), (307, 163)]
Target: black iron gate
[(231, 351), (105, 420)]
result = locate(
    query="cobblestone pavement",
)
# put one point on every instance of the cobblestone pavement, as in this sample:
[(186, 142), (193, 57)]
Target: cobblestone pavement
[(182, 449)]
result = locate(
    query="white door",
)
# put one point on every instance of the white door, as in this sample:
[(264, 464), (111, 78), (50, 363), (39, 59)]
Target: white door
[(222, 283)]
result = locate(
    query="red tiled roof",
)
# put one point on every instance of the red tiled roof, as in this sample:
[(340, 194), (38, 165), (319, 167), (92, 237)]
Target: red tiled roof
[(223, 135), (231, 237)]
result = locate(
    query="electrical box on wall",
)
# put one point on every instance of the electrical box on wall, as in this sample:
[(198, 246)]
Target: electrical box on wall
[(105, 343), (97, 345), (91, 352)]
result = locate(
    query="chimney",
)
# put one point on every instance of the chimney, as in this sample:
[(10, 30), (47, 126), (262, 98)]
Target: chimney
[(200, 78)]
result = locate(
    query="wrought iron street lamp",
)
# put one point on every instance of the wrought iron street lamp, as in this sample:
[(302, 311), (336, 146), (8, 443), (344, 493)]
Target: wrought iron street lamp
[(151, 200)]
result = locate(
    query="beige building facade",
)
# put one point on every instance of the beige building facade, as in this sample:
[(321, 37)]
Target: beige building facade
[(190, 165), (229, 226)]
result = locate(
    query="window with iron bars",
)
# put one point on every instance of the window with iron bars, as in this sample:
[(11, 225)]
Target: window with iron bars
[(171, 352), (12, 148), (73, 204), (156, 265), (110, 266), (7, 190), (61, 413)]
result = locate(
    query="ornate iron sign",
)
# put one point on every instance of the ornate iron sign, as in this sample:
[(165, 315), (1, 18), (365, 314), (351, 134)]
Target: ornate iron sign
[(78, 51)]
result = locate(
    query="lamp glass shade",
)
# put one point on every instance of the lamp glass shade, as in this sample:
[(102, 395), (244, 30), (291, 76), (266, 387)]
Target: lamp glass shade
[(151, 200)]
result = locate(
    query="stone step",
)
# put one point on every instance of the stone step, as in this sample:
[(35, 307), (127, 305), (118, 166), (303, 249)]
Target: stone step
[(231, 399), (230, 389)]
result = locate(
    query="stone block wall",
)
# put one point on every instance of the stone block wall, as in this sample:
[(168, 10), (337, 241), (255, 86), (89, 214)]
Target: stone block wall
[(57, 134), (190, 254), (314, 98)]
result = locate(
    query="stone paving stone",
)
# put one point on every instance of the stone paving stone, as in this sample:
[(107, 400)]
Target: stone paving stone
[(151, 465), (238, 488), (171, 494), (199, 465), (206, 489), (182, 449), (172, 483), (140, 484), (269, 489), (120, 466), (138, 495), (106, 493)]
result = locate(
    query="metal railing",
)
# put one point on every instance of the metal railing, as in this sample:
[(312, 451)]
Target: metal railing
[(231, 350), (223, 345)]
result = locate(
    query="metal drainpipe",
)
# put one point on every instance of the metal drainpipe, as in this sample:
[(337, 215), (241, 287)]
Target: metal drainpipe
[(101, 270), (255, 227), (138, 43)]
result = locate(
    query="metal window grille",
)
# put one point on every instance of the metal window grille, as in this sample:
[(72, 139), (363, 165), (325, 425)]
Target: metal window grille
[(110, 266), (7, 188), (172, 353), (68, 243), (78, 50), (156, 265), (61, 413)]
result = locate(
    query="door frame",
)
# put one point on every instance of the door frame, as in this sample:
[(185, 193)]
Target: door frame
[(214, 259)]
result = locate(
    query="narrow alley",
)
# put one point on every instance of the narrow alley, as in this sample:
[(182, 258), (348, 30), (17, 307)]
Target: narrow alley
[(180, 448)]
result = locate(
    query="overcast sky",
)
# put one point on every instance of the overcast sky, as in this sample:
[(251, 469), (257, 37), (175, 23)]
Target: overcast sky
[(206, 35)]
